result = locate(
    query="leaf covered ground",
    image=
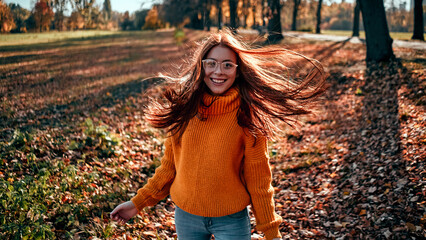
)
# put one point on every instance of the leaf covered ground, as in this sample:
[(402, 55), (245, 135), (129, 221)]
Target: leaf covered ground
[(74, 144)]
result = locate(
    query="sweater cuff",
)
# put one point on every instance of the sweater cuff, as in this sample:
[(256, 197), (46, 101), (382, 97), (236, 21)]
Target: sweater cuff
[(272, 233), (141, 200)]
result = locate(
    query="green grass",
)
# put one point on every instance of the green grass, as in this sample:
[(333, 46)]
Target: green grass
[(33, 38), (394, 35)]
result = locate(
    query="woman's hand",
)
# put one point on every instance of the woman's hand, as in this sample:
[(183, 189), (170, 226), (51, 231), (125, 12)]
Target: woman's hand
[(123, 212)]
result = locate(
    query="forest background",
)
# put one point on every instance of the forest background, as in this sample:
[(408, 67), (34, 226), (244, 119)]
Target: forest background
[(301, 15)]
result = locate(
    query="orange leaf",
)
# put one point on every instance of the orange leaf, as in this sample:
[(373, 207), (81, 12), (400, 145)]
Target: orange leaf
[(149, 233)]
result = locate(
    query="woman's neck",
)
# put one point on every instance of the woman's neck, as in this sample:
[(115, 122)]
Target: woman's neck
[(220, 104)]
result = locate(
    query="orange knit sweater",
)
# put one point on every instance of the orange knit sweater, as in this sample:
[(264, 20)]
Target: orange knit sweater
[(215, 169)]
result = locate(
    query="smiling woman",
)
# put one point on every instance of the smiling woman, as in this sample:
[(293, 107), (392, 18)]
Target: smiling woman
[(220, 69), (219, 112)]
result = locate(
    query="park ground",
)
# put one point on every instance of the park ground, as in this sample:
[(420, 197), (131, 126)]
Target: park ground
[(74, 144)]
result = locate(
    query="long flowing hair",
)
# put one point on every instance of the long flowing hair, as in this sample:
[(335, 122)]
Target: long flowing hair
[(274, 84)]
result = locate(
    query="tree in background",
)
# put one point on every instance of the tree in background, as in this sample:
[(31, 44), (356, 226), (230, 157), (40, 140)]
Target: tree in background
[(254, 4), (176, 12), (126, 23), (43, 16), (318, 26), (263, 13), (355, 29), (418, 21), (152, 21), (233, 4), (96, 20), (206, 13), (296, 5), (337, 16), (20, 15), (219, 13), (107, 10), (197, 16), (75, 21), (379, 42), (86, 9), (60, 7), (274, 25), (6, 18), (245, 11), (140, 18)]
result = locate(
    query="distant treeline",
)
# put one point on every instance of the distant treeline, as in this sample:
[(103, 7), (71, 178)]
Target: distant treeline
[(298, 15)]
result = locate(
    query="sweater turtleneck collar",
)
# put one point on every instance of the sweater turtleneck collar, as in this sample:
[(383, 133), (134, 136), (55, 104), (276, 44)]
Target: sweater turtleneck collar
[(220, 104)]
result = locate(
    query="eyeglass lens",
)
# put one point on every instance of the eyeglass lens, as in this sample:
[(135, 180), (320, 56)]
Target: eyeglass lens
[(211, 65)]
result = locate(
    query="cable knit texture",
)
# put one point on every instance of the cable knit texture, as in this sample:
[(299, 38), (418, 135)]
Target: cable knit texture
[(215, 169)]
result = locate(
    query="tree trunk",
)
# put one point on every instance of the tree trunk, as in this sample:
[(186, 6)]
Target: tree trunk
[(206, 13), (263, 13), (246, 7), (355, 29), (418, 21), (318, 28), (219, 14), (295, 10), (274, 26), (379, 42), (233, 14), (208, 20), (253, 9)]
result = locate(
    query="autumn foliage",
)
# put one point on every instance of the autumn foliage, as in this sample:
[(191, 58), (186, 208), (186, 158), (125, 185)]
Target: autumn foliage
[(152, 20), (6, 18), (43, 15)]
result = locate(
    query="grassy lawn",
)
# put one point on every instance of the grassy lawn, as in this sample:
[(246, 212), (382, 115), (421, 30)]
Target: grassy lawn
[(394, 35), (33, 38), (37, 38)]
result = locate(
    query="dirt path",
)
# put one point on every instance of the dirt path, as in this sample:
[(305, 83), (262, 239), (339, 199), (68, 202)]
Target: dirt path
[(418, 45)]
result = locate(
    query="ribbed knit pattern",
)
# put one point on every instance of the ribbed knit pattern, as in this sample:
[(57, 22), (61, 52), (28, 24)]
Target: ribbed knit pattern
[(215, 169)]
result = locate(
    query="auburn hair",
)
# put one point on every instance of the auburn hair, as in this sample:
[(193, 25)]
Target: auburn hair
[(274, 84)]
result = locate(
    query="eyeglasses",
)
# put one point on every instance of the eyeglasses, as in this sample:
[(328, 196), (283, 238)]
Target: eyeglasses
[(226, 67)]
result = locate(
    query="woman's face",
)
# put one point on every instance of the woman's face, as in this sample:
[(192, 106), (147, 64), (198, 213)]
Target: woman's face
[(220, 69)]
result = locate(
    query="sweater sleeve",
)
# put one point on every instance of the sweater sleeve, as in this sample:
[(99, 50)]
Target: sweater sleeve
[(258, 177), (158, 187)]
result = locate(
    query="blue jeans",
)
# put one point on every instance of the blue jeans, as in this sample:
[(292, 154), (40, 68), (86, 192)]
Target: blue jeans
[(235, 226)]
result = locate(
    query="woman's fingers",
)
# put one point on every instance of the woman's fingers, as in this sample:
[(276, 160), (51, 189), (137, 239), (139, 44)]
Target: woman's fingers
[(123, 212), (119, 219), (115, 213)]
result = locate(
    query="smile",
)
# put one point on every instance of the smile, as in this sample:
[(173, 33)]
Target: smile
[(217, 80)]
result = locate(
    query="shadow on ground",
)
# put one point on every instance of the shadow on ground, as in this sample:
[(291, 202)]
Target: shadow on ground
[(371, 199)]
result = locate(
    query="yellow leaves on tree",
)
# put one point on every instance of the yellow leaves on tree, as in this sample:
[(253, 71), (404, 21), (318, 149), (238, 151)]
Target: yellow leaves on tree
[(43, 15), (75, 21), (6, 18), (152, 21)]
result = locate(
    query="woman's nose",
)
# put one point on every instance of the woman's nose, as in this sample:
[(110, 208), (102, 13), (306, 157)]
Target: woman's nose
[(218, 69)]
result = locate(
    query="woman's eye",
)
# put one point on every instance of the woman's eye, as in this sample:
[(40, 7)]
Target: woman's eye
[(211, 64), (227, 65)]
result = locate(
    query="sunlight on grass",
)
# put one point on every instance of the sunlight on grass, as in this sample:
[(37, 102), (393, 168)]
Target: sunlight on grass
[(394, 35), (32, 38)]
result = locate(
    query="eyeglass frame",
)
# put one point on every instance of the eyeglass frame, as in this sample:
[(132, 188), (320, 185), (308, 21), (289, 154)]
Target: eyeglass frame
[(219, 63)]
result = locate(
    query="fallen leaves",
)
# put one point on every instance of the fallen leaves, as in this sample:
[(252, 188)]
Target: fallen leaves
[(355, 170)]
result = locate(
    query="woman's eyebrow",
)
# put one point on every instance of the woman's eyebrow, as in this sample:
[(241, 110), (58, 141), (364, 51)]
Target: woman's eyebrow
[(226, 60)]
